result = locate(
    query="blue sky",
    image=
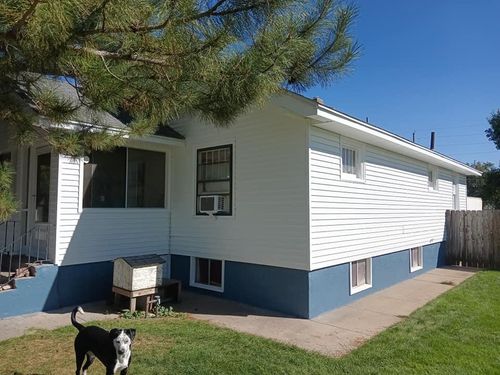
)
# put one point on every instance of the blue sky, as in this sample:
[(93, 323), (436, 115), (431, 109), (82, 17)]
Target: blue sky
[(426, 65)]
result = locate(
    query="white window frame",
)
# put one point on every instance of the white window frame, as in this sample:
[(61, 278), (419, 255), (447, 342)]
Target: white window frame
[(192, 275), (359, 151), (421, 259), (434, 185), (368, 285)]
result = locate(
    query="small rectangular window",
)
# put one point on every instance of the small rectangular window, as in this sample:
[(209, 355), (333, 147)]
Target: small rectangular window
[(348, 161), (432, 180), (361, 275), (352, 163), (214, 176), (455, 195), (207, 273), (416, 259)]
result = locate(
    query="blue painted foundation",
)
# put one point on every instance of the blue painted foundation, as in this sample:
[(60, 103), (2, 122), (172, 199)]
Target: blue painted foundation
[(307, 294), (55, 287), (296, 292), (329, 288), (275, 288)]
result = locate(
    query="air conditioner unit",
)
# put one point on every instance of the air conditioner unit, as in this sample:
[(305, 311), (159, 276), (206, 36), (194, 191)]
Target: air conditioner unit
[(211, 204)]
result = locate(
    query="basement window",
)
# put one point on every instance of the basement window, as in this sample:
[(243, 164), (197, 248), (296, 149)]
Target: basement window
[(416, 259), (207, 274), (361, 275)]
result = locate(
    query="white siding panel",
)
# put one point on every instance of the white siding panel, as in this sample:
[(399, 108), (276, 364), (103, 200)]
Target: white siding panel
[(101, 234), (392, 209), (270, 221)]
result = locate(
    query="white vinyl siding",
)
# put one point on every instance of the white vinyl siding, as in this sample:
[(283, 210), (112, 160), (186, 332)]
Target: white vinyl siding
[(269, 221), (392, 210), (101, 234)]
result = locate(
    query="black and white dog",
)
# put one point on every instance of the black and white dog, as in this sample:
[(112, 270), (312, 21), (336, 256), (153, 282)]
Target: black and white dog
[(113, 348)]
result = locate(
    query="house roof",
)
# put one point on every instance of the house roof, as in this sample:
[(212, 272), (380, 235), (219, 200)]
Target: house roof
[(329, 118), (86, 115)]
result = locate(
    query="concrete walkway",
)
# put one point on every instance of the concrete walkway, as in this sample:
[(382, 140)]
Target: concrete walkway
[(337, 332), (334, 333), (20, 325)]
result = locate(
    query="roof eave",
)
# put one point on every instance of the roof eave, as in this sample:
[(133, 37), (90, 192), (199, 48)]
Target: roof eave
[(333, 120)]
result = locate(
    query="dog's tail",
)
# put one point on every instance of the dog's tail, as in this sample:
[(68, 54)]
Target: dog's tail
[(77, 325)]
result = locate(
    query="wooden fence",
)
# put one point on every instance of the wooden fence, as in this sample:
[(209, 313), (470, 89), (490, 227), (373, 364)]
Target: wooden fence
[(473, 238)]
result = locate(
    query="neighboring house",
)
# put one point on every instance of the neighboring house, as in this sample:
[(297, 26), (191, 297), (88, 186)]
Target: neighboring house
[(296, 207), (474, 204)]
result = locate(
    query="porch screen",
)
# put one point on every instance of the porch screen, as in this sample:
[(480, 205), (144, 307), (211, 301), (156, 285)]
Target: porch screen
[(124, 177), (146, 178), (104, 179)]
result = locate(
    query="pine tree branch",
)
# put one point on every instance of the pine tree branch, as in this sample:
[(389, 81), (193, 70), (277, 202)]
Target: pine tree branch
[(211, 12), (119, 56), (24, 18)]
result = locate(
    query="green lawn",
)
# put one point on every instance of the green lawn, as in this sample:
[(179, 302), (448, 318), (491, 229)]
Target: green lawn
[(459, 333)]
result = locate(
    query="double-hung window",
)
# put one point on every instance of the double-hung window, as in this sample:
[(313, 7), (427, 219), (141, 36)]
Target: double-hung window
[(416, 259), (214, 177), (124, 177), (361, 275)]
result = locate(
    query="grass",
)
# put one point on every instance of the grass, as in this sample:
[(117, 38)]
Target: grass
[(459, 333)]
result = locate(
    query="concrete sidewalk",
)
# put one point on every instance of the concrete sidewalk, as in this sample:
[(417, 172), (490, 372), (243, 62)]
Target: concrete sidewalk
[(337, 332), (334, 333)]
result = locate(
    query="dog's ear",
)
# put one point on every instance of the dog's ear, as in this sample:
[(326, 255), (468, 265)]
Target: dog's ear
[(130, 333), (114, 333)]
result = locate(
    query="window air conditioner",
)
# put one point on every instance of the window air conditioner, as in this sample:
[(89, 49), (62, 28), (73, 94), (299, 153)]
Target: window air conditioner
[(211, 204)]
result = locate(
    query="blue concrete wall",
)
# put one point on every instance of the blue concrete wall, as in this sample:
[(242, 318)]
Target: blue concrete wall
[(295, 292), (329, 288), (55, 287), (275, 288)]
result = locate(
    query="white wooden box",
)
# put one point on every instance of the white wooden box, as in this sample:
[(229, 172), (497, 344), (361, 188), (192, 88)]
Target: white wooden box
[(138, 272)]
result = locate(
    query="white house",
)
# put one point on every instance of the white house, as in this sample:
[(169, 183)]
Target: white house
[(296, 207)]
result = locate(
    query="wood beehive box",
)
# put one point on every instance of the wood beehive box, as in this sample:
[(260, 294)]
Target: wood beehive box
[(138, 272)]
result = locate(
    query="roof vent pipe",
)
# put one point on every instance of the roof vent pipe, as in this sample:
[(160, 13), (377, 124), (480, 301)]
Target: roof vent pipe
[(318, 100), (433, 140)]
